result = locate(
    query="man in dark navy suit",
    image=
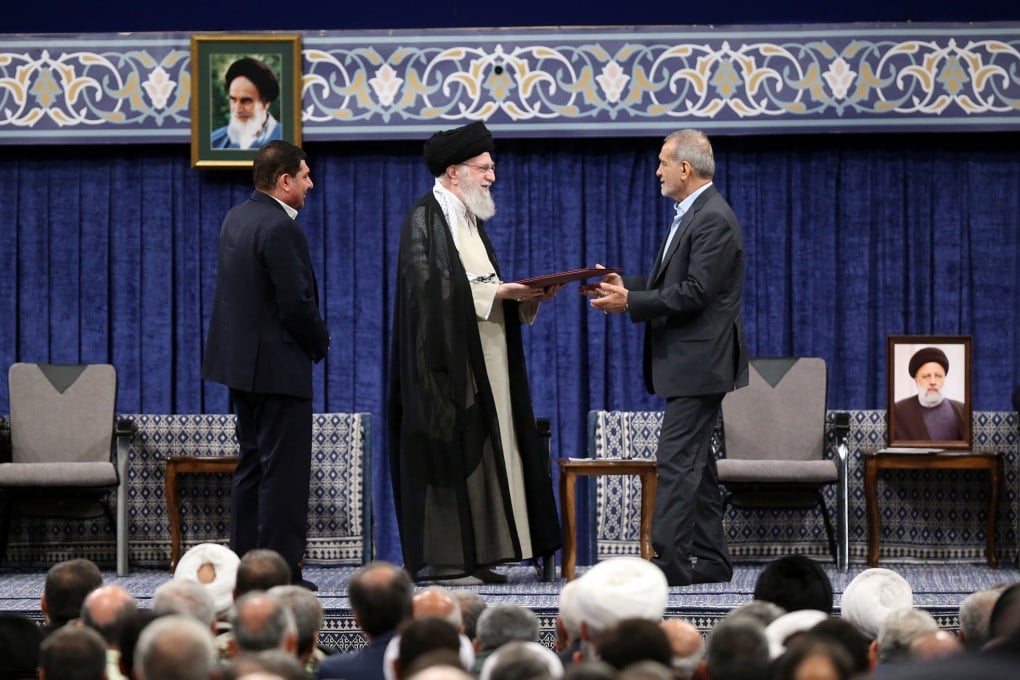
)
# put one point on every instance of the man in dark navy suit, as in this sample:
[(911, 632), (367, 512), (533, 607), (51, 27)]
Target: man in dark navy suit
[(380, 595), (694, 354), (264, 335)]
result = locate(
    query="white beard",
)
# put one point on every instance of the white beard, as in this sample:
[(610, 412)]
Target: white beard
[(244, 133), (930, 399), (478, 201)]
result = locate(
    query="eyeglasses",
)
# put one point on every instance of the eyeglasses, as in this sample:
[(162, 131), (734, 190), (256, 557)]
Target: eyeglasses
[(484, 169)]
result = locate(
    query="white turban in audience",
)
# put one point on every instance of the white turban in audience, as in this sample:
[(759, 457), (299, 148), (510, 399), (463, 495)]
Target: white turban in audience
[(215, 567), (568, 609), (621, 588), (871, 596), (780, 630)]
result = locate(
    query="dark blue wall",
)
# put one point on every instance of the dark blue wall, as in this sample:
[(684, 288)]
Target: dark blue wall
[(63, 16)]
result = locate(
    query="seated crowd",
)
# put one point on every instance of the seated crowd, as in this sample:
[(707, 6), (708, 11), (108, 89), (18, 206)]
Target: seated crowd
[(221, 617)]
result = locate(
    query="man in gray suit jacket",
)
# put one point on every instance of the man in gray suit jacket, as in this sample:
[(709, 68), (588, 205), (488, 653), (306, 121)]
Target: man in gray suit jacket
[(264, 335), (694, 354)]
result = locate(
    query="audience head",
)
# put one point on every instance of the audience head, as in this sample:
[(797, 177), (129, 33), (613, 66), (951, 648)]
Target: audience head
[(214, 566), (471, 607), (975, 614), (506, 623), (190, 598), (106, 609), (261, 621), (20, 638), (380, 595), (436, 658), (421, 636), (813, 656), (275, 663), (1004, 621), (591, 669), (871, 596), (762, 611), (900, 628), (686, 646), (738, 650), (522, 661), (437, 601), (73, 652), (934, 644), (129, 634), (441, 671), (175, 647), (783, 629), (307, 612), (795, 582), (260, 569), (646, 670), (852, 640), (634, 640), (620, 588), (67, 584)]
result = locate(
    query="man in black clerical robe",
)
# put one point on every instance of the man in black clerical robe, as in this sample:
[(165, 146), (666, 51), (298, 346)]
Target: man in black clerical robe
[(455, 506)]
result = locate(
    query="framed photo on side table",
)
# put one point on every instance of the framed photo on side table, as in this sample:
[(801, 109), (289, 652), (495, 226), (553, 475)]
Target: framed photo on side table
[(929, 383), (245, 92)]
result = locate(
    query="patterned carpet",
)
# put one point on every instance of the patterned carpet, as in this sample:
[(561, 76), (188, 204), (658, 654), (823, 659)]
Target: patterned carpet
[(939, 588)]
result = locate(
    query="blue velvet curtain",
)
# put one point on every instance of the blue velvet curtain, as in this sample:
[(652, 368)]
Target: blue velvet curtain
[(109, 254)]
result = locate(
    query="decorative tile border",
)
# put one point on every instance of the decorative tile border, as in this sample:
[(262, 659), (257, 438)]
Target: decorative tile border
[(925, 515), (541, 82), (339, 510)]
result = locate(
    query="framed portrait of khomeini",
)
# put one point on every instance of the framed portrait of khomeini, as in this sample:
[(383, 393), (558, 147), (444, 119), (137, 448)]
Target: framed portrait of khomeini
[(245, 92), (929, 381)]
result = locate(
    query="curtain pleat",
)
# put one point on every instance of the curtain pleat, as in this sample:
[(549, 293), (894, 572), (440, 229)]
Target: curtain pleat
[(110, 255)]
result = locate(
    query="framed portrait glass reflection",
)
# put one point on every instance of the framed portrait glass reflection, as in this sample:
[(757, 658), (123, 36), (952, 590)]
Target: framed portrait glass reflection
[(245, 92), (929, 382)]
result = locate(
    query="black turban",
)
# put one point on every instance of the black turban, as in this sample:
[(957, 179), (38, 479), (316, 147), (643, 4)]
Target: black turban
[(926, 355), (450, 147), (261, 76)]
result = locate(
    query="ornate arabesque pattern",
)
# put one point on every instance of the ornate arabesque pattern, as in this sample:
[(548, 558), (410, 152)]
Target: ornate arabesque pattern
[(925, 515), (540, 82)]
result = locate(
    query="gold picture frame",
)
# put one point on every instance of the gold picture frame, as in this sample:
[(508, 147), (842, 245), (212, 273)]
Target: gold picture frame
[(908, 420), (221, 137)]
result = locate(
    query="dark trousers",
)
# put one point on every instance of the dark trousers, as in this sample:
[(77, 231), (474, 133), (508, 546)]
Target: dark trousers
[(688, 505), (269, 494)]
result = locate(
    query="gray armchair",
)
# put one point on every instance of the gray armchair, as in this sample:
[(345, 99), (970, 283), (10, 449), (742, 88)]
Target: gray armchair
[(774, 438), (68, 455)]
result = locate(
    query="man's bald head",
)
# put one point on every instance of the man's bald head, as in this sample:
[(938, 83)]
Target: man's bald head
[(437, 602), (106, 609)]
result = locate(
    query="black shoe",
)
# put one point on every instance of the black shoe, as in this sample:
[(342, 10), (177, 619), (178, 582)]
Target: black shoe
[(489, 576), (698, 577), (306, 584)]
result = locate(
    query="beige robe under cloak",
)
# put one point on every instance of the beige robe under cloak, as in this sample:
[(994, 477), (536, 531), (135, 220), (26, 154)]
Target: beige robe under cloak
[(492, 330)]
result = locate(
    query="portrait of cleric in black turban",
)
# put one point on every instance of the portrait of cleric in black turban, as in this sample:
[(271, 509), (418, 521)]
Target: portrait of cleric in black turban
[(246, 114), (245, 92), (929, 391)]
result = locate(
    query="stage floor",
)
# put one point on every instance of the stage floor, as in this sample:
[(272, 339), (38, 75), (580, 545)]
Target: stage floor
[(938, 588)]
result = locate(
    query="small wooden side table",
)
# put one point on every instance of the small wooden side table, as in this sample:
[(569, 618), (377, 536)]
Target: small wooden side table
[(570, 470), (990, 461), (180, 465)]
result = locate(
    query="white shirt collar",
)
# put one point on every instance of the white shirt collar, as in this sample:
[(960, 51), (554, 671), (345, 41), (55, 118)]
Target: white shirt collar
[(290, 211), (685, 205)]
